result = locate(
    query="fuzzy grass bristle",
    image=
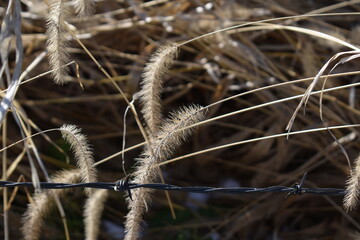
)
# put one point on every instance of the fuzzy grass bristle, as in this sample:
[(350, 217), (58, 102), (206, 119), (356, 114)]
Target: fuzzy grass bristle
[(174, 131), (351, 198), (56, 41), (83, 154), (92, 213), (84, 8), (152, 84), (33, 219)]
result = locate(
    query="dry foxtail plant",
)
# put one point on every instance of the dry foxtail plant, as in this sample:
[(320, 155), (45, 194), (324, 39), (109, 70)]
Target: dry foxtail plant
[(263, 58), (86, 172), (43, 202), (351, 198), (152, 83), (84, 7), (56, 41), (92, 213), (82, 152), (166, 136), (165, 142)]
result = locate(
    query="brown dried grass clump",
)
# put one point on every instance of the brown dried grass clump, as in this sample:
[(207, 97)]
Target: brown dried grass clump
[(262, 68)]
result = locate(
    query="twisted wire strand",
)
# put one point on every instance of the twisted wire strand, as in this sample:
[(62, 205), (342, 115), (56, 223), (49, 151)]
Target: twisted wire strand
[(125, 185)]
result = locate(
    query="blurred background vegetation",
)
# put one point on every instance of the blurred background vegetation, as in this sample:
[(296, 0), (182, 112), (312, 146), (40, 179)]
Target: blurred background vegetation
[(121, 35)]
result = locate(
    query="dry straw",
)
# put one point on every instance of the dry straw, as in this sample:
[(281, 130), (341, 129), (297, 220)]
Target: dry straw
[(43, 202), (164, 139)]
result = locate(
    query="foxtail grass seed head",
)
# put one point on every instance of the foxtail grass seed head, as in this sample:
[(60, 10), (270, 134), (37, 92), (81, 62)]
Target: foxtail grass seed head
[(94, 207), (56, 41), (37, 210), (82, 152), (168, 139), (84, 8), (351, 199), (152, 84), (176, 129)]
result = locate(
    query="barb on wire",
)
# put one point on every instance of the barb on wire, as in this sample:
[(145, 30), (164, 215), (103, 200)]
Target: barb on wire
[(126, 185), (298, 190)]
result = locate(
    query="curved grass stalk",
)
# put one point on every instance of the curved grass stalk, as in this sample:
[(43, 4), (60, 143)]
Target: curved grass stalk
[(256, 140), (82, 151), (269, 20), (38, 76), (310, 32), (274, 102), (83, 154), (211, 105), (247, 109)]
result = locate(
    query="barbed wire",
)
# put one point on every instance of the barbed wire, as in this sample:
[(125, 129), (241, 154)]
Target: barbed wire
[(126, 185)]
